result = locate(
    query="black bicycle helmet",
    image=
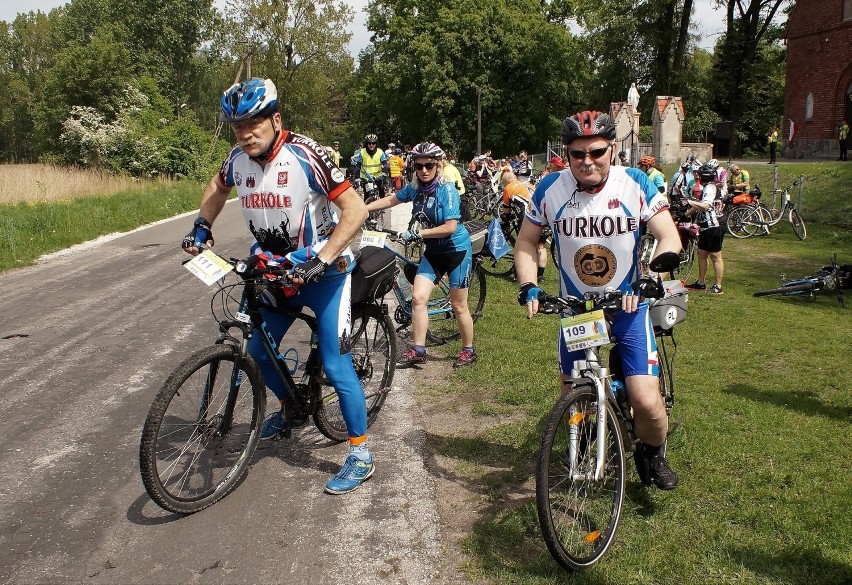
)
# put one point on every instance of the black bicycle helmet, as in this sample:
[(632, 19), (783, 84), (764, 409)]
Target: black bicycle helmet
[(706, 173), (587, 124)]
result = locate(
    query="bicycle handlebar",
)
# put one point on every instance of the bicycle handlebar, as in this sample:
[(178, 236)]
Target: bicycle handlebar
[(610, 299)]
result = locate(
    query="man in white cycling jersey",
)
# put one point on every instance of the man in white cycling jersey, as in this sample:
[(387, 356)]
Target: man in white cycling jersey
[(286, 183), (595, 210)]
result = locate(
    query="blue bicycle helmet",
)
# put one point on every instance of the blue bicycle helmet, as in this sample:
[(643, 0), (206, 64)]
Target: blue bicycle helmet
[(250, 98)]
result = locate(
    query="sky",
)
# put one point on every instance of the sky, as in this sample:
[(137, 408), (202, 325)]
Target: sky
[(710, 20)]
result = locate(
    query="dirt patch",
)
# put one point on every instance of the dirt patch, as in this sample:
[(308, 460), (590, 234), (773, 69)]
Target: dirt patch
[(466, 493)]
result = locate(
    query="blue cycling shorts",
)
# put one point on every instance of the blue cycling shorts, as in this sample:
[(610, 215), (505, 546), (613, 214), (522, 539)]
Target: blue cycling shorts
[(636, 344), (457, 264)]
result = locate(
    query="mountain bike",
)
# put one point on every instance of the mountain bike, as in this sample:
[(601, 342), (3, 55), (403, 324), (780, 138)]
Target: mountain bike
[(588, 433), (748, 220), (442, 320), (204, 424), (832, 277), (505, 264)]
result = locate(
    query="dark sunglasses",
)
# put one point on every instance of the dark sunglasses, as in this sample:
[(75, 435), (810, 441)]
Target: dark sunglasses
[(581, 154), (427, 166), (372, 143)]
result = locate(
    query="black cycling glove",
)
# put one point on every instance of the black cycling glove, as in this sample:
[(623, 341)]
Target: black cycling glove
[(310, 271), (202, 232)]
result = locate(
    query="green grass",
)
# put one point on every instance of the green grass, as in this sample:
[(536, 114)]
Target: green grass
[(28, 230), (763, 386)]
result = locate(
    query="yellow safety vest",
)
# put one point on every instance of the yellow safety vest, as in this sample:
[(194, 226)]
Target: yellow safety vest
[(371, 164)]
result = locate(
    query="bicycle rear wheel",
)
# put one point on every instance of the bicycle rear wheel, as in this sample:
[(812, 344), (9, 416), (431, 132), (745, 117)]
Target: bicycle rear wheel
[(787, 290), (201, 430), (373, 345), (443, 326), (579, 516), (798, 225)]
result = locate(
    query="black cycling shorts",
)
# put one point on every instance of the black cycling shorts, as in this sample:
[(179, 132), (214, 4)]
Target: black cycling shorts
[(710, 239)]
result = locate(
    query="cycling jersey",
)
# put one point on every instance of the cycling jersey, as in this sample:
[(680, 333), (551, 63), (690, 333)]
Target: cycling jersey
[(658, 179), (287, 203), (395, 164), (452, 175), (519, 191), (708, 219), (436, 209), (596, 235)]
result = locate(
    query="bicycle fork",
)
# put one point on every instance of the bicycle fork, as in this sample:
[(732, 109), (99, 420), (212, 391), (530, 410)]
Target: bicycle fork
[(594, 373)]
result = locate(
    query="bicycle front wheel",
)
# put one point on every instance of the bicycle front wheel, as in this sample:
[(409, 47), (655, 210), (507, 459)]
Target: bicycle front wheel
[(202, 430), (578, 514), (443, 326), (373, 344), (687, 260), (798, 225), (505, 264)]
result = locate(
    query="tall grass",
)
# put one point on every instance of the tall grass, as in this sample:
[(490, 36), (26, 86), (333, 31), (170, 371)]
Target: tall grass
[(38, 182)]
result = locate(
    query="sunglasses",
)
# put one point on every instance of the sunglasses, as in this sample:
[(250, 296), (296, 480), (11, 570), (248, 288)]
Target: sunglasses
[(427, 166), (581, 154), (372, 143)]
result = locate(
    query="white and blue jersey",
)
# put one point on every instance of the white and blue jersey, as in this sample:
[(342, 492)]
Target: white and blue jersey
[(286, 203), (596, 235), (434, 209)]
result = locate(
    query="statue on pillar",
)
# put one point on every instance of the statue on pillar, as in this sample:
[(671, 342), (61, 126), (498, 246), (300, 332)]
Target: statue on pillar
[(633, 97)]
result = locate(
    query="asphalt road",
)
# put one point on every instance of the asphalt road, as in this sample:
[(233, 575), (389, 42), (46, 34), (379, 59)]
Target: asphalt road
[(86, 339)]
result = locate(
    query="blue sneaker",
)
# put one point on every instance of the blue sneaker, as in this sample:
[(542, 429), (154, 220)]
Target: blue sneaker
[(353, 473), (273, 425)]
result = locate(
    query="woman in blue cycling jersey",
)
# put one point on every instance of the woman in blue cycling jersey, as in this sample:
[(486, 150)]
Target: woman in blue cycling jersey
[(437, 208)]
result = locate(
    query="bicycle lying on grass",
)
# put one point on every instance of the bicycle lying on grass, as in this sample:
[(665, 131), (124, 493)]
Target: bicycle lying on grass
[(581, 468), (204, 424), (442, 321), (832, 277)]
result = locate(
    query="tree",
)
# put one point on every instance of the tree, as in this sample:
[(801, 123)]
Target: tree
[(300, 45), (740, 56), (429, 62)]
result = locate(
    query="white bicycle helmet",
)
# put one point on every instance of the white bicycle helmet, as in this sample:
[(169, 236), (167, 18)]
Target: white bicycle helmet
[(713, 164), (427, 150)]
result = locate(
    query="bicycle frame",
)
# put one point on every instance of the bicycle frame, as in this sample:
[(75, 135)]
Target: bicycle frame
[(250, 320), (443, 284)]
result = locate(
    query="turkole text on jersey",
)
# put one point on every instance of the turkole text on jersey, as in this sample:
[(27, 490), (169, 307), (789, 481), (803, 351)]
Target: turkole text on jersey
[(595, 226), (265, 200)]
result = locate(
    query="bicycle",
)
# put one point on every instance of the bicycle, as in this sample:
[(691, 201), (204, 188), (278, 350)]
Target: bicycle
[(581, 467), (505, 264), (204, 424), (832, 277), (442, 321), (747, 220), (370, 192), (688, 232)]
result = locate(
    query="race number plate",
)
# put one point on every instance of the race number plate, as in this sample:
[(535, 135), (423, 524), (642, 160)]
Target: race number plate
[(208, 267), (586, 330), (375, 239)]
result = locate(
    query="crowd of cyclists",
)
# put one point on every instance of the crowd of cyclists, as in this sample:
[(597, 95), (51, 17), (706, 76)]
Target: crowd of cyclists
[(589, 201)]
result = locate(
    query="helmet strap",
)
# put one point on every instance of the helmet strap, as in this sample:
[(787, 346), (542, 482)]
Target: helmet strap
[(591, 189)]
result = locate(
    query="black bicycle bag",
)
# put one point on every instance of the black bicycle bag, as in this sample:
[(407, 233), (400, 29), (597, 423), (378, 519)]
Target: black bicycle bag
[(374, 273)]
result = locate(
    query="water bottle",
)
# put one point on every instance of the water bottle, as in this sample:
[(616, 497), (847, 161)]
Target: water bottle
[(404, 286)]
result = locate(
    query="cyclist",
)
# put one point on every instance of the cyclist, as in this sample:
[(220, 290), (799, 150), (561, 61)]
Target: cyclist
[(525, 167), (335, 153), (711, 235), (648, 164), (396, 164), (285, 184), (447, 250), (594, 210), (453, 175), (516, 197), (372, 162), (738, 180)]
